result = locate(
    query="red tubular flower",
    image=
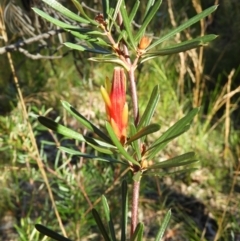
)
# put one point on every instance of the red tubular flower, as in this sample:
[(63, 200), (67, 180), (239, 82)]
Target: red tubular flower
[(115, 100)]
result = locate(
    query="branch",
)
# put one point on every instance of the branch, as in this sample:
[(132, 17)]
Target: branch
[(37, 55), (17, 46)]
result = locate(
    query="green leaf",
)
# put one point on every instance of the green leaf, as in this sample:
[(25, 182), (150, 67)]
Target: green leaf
[(181, 47), (151, 13), (84, 48), (66, 12), (127, 24), (124, 210), (116, 11), (150, 3), (138, 232), (166, 172), (92, 142), (75, 46), (50, 233), (119, 145), (79, 35), (60, 128), (105, 6), (150, 108), (110, 59), (135, 144), (99, 41), (177, 161), (91, 32), (70, 133), (144, 131), (178, 128), (89, 156), (134, 11), (81, 10), (100, 225), (109, 218), (190, 22), (163, 227), (85, 122), (158, 146), (54, 20)]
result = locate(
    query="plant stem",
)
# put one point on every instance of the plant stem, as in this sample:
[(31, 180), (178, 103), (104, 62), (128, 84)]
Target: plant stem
[(135, 199), (133, 95)]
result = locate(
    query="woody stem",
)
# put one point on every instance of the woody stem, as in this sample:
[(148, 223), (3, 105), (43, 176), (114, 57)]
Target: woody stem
[(133, 95), (135, 200)]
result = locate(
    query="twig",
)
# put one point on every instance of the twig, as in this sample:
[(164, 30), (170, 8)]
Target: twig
[(228, 103), (16, 46), (37, 55), (182, 65), (135, 200)]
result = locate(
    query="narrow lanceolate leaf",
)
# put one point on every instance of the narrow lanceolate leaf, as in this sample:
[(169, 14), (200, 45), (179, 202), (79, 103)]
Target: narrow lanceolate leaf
[(78, 34), (50, 233), (135, 144), (127, 24), (149, 5), (54, 20), (52, 125), (89, 156), (163, 227), (152, 12), (116, 11), (66, 12), (100, 225), (108, 218), (178, 128), (119, 146), (190, 22), (181, 47), (85, 122), (124, 217), (82, 12), (150, 108), (177, 161), (110, 59), (144, 131), (166, 172), (134, 11), (85, 48), (138, 232), (158, 146), (61, 129), (105, 6)]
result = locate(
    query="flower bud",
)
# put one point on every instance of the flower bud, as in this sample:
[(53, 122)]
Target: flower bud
[(114, 96), (144, 42)]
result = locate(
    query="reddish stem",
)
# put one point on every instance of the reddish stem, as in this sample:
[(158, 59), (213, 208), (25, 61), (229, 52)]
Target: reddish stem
[(133, 94), (135, 199)]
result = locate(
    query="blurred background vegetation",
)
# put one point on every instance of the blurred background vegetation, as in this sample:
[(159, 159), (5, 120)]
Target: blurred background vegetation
[(205, 203)]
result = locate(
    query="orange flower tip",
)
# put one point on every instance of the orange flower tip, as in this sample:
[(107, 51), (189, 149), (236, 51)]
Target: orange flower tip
[(105, 96), (144, 42)]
